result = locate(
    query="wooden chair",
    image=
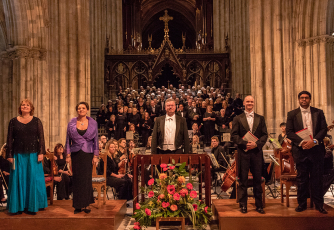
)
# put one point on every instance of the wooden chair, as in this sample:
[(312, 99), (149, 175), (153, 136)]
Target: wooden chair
[(100, 181), (143, 161), (287, 178), (49, 178), (250, 182)]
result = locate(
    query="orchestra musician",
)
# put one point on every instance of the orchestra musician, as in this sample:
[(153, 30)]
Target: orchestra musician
[(83, 147), (170, 132), (282, 137), (308, 155), (250, 153)]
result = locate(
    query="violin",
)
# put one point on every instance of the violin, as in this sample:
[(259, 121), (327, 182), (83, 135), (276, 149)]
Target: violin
[(131, 155), (123, 167)]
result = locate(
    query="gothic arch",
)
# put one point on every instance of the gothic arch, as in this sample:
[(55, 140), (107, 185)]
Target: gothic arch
[(157, 70)]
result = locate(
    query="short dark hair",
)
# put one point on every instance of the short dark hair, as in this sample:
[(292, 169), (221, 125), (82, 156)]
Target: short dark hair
[(282, 124), (82, 103), (304, 92)]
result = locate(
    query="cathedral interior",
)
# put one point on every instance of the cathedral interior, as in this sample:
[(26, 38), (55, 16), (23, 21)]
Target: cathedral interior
[(58, 53)]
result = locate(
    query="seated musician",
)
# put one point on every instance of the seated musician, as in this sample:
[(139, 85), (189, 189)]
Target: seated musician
[(4, 177), (121, 182), (282, 137), (196, 130), (328, 162), (132, 128), (195, 144), (149, 142), (121, 156), (221, 157), (63, 186), (47, 167)]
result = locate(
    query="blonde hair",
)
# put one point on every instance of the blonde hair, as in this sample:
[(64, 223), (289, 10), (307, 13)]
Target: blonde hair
[(107, 148), (32, 108)]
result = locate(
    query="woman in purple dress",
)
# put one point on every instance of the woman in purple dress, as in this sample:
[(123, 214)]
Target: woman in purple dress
[(83, 146)]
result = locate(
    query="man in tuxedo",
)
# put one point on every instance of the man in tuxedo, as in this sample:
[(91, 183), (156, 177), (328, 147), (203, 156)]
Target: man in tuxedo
[(308, 155), (153, 110), (170, 133), (249, 153)]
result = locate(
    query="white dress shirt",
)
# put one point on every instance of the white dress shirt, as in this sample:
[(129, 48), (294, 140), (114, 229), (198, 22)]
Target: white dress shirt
[(250, 119), (169, 137), (307, 119)]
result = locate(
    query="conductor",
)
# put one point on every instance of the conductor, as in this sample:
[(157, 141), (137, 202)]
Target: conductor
[(249, 152), (170, 132)]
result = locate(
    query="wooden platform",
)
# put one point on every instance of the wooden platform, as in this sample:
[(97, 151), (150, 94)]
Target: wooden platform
[(60, 216), (277, 216)]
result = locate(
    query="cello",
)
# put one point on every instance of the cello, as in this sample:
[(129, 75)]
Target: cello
[(229, 176)]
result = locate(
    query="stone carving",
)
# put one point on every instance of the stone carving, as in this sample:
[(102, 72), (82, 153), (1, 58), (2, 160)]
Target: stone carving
[(316, 40), (24, 52)]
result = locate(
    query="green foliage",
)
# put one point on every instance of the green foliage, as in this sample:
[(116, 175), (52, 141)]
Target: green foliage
[(170, 196)]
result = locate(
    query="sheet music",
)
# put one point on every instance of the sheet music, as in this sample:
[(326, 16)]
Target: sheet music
[(250, 137), (305, 134), (213, 160), (227, 137), (129, 135)]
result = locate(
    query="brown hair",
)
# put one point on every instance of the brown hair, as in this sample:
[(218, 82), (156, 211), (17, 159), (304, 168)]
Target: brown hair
[(82, 103), (120, 140), (32, 108), (215, 138), (132, 125), (58, 146)]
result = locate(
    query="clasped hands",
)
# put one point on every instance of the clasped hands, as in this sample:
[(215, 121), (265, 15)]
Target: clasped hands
[(251, 145), (308, 144)]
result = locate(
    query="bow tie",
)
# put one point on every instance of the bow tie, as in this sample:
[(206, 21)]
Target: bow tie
[(249, 114), (170, 119)]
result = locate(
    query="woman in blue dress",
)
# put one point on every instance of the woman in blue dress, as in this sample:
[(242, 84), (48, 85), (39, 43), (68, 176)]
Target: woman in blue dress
[(25, 150)]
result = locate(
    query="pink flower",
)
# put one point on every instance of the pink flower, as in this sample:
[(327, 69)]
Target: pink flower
[(171, 167), (195, 207), (193, 194), (162, 176), (137, 206), (181, 179), (136, 227), (165, 169), (136, 223), (161, 196), (173, 207), (150, 194), (206, 209), (165, 204), (148, 212), (183, 192), (171, 189), (163, 166), (176, 196), (190, 186), (150, 182)]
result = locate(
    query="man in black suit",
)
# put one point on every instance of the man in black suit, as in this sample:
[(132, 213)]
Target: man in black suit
[(308, 155), (249, 153), (170, 133), (153, 110)]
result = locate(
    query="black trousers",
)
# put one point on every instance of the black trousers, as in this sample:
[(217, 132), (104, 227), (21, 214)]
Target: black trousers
[(64, 187), (251, 160), (122, 185), (310, 176)]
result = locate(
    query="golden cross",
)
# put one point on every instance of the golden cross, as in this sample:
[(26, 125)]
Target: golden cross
[(166, 18)]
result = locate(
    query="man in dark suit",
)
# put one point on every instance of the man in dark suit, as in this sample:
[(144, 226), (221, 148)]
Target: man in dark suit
[(308, 155), (170, 133), (249, 153), (153, 110)]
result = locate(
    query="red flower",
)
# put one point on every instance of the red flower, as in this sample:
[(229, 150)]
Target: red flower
[(150, 194), (190, 186), (163, 166), (136, 227), (206, 209), (150, 182), (136, 223), (148, 212), (137, 206), (171, 167), (165, 204), (161, 196), (173, 207), (193, 194), (176, 196), (183, 192), (165, 169), (195, 207), (171, 189)]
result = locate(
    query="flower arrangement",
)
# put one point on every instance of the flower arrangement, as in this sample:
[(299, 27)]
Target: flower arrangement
[(170, 196)]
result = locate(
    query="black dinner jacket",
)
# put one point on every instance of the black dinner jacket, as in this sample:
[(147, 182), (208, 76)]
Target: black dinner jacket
[(240, 127), (181, 134), (295, 123)]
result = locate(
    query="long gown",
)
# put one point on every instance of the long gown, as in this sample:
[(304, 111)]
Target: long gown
[(121, 123), (209, 127)]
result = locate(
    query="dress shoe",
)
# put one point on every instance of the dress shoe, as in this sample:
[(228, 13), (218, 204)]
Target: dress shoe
[(260, 210), (322, 210), (86, 210), (300, 209), (77, 210), (243, 209)]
